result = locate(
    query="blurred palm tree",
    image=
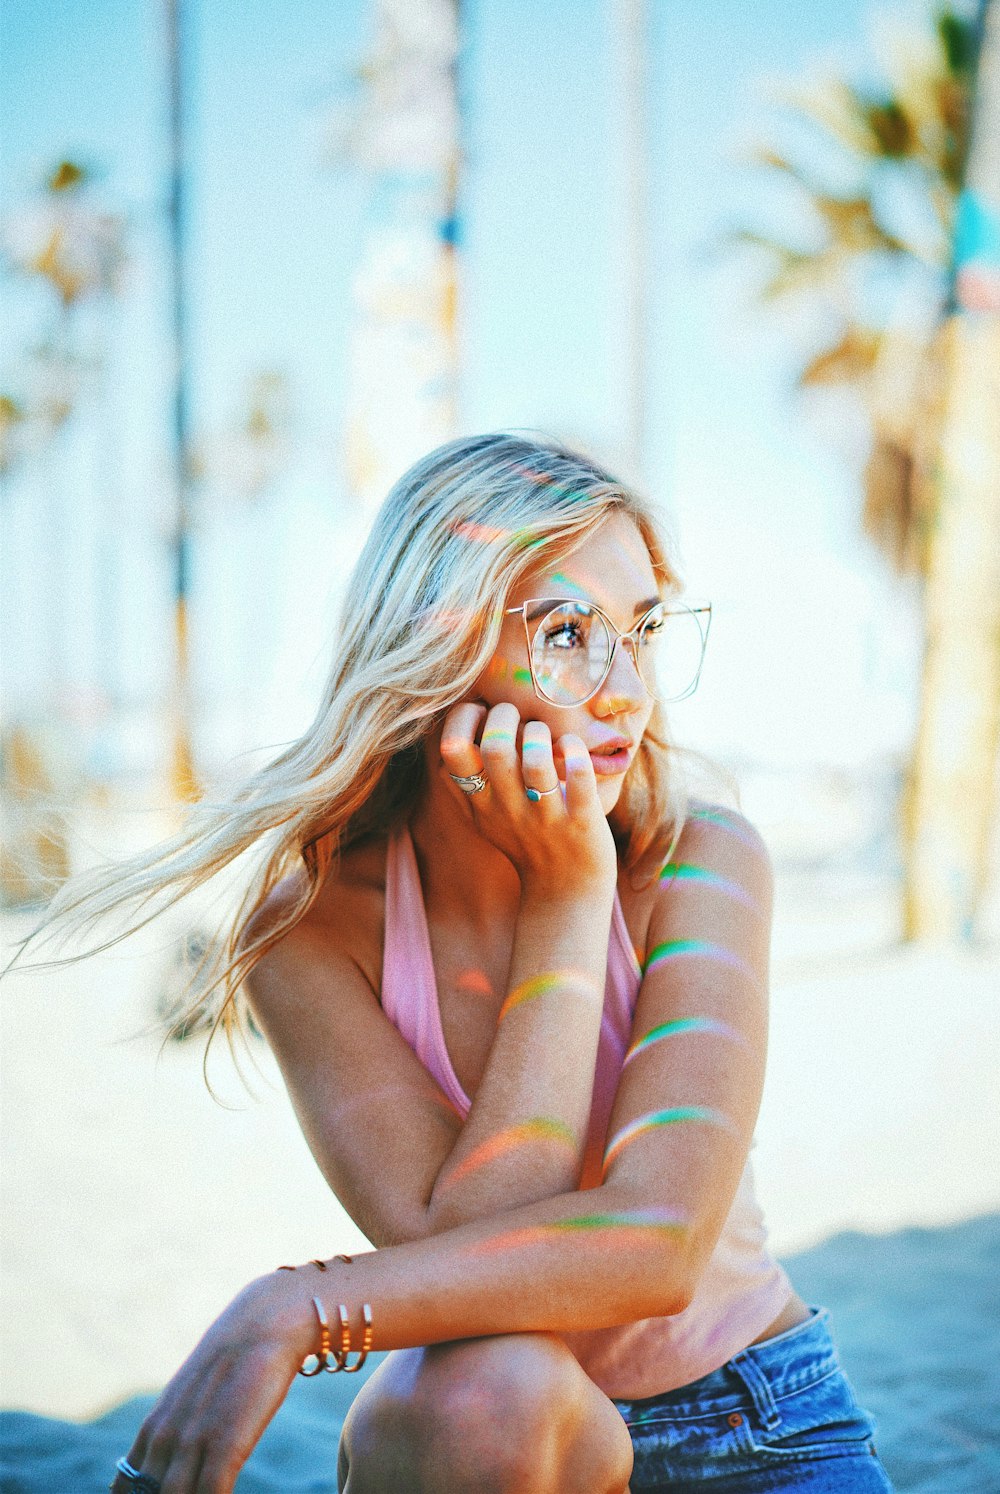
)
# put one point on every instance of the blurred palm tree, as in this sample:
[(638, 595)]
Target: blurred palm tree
[(401, 125), (65, 243), (878, 191), (952, 785), (876, 196)]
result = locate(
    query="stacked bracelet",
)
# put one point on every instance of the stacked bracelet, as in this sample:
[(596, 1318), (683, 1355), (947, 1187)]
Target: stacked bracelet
[(326, 1352)]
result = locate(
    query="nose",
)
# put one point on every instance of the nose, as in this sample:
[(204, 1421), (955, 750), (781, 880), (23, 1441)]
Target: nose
[(624, 688)]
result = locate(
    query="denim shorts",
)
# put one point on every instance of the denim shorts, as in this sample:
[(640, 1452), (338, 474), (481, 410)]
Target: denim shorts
[(779, 1415)]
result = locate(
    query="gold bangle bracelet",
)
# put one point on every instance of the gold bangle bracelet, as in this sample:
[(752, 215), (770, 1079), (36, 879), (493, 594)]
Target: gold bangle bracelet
[(345, 1339), (323, 1357), (326, 1350)]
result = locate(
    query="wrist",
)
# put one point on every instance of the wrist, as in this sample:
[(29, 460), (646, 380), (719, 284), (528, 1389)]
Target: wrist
[(284, 1300), (585, 898)]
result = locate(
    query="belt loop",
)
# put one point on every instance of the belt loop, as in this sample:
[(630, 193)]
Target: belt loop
[(756, 1382)]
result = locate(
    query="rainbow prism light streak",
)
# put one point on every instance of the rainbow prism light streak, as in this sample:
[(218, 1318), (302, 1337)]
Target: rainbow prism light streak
[(679, 1025), (503, 671), (540, 985), (539, 1128), (673, 949), (723, 817), (636, 1225), (681, 871), (488, 534), (656, 1118)]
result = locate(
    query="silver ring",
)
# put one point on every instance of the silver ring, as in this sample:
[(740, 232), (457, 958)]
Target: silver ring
[(471, 783), (535, 794), (141, 1481)]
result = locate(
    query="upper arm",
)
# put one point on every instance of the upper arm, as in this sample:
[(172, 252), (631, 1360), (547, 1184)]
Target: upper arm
[(690, 1089), (377, 1123)]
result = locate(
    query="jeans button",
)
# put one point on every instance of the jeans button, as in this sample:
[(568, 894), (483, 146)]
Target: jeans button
[(735, 1419)]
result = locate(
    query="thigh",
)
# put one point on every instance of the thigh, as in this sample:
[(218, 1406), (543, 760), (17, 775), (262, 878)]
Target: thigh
[(431, 1417)]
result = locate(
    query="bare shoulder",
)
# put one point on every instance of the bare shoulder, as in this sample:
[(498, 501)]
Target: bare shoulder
[(347, 918), (716, 841), (718, 885), (722, 833)]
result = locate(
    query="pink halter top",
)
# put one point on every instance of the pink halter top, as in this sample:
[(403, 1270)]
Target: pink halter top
[(742, 1289)]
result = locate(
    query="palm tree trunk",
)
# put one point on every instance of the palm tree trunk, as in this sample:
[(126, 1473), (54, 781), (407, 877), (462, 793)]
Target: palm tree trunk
[(950, 801), (405, 340)]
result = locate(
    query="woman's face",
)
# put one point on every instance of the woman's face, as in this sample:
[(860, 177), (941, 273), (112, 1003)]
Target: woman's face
[(613, 569)]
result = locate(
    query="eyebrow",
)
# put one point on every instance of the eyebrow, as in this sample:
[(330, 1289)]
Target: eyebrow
[(640, 607)]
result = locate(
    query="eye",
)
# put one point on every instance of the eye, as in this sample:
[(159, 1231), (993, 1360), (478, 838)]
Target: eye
[(564, 636)]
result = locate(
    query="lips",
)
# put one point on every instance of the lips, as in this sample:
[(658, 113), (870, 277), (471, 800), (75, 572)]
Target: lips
[(610, 746)]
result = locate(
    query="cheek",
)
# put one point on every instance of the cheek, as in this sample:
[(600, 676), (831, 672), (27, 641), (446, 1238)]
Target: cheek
[(504, 676)]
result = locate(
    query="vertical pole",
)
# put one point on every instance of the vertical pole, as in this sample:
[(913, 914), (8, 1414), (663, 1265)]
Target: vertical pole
[(950, 801), (631, 21), (182, 774)]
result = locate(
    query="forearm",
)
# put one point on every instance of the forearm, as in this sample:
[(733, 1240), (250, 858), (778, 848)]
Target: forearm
[(524, 1137), (578, 1261)]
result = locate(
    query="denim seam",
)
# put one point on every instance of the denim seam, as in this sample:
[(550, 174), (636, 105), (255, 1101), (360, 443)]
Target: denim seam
[(808, 1384), (759, 1389), (675, 1414)]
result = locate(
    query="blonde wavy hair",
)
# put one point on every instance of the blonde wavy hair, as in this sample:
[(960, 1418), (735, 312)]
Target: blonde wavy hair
[(418, 624)]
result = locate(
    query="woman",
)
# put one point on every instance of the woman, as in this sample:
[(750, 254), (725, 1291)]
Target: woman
[(516, 981)]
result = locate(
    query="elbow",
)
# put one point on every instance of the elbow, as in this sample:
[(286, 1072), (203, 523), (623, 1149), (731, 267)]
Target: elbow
[(665, 1277), (667, 1292)]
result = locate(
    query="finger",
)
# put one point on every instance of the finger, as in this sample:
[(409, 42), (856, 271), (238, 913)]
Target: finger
[(498, 748), (581, 780), (253, 1393), (185, 1468), (538, 767), (459, 751)]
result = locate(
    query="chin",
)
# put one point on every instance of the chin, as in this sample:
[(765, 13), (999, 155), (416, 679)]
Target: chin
[(609, 792)]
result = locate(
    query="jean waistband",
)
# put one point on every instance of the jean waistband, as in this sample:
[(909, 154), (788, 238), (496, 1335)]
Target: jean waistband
[(769, 1370)]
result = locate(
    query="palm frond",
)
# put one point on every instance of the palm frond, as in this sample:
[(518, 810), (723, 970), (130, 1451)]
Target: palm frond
[(849, 361), (852, 225)]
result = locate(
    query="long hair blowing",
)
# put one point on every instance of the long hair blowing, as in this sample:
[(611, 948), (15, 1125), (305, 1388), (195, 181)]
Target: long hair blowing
[(418, 624)]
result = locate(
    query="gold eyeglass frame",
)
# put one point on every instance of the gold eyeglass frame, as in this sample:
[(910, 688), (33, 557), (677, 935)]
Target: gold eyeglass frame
[(632, 636)]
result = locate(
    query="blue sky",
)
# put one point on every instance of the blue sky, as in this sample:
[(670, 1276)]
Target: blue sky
[(765, 506)]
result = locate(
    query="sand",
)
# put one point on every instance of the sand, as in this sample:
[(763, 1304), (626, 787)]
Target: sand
[(134, 1207)]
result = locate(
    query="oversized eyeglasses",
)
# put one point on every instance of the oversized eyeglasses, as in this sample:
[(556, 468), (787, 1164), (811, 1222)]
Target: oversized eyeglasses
[(571, 646)]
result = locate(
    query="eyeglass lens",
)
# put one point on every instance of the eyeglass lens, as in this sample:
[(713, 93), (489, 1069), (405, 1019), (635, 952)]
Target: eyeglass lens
[(572, 645)]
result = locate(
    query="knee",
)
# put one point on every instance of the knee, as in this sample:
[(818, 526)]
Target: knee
[(517, 1416), (498, 1421)]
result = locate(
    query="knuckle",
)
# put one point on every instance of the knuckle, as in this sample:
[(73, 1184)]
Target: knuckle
[(495, 746)]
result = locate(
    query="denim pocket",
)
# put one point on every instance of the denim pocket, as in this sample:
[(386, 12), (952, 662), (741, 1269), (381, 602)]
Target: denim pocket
[(680, 1448), (822, 1419)]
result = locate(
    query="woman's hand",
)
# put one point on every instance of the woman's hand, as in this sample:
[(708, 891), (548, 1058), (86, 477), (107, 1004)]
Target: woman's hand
[(561, 845), (214, 1410)]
